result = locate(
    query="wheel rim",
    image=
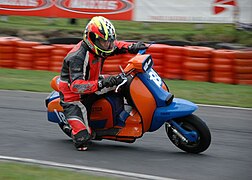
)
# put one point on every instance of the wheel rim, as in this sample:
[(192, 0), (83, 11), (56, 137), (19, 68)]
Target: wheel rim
[(178, 141)]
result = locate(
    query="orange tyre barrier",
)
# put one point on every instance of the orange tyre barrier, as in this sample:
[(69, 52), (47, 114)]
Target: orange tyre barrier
[(157, 53), (159, 69), (174, 50), (244, 76), (109, 68), (170, 66), (201, 78), (7, 51), (125, 58), (193, 65), (224, 54), (169, 59), (196, 63), (173, 56), (198, 51), (222, 70), (24, 54), (243, 67), (42, 57), (222, 61), (243, 54), (58, 53), (27, 44), (223, 80), (244, 81), (111, 65), (156, 48), (243, 62)]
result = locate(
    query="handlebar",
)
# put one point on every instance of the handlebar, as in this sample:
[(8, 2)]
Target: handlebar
[(122, 75), (144, 50)]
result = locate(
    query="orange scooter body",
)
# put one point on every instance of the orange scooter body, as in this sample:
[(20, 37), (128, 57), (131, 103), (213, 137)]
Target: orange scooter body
[(110, 118)]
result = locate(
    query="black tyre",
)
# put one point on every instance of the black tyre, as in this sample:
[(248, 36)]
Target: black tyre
[(191, 123), (66, 129)]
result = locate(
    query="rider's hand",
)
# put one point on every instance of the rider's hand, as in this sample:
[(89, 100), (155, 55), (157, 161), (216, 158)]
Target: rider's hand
[(135, 47), (109, 81)]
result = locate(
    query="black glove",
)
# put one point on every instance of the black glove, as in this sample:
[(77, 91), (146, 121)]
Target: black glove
[(135, 47), (109, 81)]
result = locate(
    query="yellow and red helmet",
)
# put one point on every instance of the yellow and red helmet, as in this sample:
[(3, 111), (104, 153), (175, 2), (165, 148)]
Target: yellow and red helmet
[(100, 36)]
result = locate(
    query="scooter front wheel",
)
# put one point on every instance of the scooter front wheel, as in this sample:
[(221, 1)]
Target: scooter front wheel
[(190, 123)]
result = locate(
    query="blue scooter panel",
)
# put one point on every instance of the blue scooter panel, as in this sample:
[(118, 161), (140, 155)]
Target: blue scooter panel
[(178, 108)]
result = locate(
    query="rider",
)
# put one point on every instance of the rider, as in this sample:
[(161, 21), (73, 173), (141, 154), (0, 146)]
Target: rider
[(80, 77)]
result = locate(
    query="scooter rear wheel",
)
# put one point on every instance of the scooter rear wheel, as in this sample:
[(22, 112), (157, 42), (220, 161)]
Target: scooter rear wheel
[(191, 123)]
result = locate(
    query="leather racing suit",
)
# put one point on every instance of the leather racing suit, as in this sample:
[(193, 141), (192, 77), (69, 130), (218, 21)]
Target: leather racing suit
[(78, 83)]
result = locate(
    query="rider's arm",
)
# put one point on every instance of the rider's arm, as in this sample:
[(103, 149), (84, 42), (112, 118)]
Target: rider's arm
[(78, 84), (121, 47), (127, 47)]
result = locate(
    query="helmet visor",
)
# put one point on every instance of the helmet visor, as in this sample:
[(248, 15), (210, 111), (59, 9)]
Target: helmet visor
[(106, 45)]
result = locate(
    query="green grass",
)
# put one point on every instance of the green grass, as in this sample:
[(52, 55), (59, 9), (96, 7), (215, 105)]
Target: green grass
[(26, 80), (18, 171), (197, 92), (144, 31)]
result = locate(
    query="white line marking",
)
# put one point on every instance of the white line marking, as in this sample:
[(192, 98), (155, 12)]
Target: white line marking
[(78, 167), (226, 107)]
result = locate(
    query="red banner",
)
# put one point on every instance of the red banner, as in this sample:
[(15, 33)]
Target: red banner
[(112, 9)]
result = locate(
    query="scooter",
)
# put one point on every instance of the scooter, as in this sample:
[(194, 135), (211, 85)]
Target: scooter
[(141, 103)]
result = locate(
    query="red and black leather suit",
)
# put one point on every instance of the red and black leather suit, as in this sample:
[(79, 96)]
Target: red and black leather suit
[(79, 80)]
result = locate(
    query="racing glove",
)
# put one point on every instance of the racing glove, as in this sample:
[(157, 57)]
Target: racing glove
[(135, 47), (109, 81)]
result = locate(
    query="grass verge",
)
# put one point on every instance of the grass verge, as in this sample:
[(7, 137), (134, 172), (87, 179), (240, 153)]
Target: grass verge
[(18, 171), (197, 92), (145, 31)]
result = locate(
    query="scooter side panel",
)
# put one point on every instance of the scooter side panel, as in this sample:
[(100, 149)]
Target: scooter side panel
[(101, 115), (144, 101), (178, 108)]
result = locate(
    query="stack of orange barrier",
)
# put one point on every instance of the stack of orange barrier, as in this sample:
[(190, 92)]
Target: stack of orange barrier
[(196, 64), (7, 51), (157, 54), (125, 59), (222, 66), (42, 57), (111, 65), (173, 56), (57, 56), (24, 54), (243, 67)]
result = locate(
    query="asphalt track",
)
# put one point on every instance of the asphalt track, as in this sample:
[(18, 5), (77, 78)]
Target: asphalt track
[(26, 133)]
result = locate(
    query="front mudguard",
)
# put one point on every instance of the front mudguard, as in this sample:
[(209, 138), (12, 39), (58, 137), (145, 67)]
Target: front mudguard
[(178, 108)]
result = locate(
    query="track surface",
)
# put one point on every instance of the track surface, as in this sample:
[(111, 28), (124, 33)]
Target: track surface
[(26, 133)]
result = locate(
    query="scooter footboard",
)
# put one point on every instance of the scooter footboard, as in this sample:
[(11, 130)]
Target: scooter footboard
[(178, 108)]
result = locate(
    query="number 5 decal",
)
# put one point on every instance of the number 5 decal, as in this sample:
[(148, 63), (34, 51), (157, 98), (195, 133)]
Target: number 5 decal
[(155, 78)]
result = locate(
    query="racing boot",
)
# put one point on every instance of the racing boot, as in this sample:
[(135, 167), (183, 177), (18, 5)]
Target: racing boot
[(81, 140)]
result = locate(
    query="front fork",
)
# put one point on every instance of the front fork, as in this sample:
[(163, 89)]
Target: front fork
[(186, 136)]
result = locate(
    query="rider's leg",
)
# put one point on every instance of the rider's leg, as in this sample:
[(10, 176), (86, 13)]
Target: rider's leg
[(76, 115)]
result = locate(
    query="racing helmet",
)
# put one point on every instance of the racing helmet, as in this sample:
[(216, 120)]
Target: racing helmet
[(100, 36)]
